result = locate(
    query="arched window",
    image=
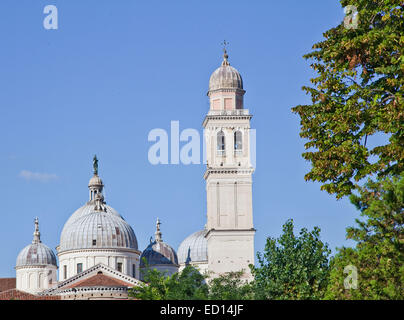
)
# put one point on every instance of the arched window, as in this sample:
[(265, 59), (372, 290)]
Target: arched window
[(221, 145), (238, 141)]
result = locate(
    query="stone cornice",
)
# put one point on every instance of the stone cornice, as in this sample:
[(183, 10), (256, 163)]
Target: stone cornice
[(96, 289), (229, 230), (36, 266), (225, 117), (211, 170), (61, 253), (236, 90)]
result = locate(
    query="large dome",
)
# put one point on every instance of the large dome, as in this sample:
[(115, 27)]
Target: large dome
[(225, 77), (194, 248), (85, 210), (98, 229), (96, 225)]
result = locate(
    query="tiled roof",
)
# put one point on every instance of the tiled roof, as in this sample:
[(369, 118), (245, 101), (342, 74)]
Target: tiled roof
[(7, 284), (102, 281), (14, 294)]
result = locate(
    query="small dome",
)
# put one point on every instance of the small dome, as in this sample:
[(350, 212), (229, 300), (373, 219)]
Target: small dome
[(95, 181), (194, 248), (98, 229), (225, 77), (158, 253), (36, 254)]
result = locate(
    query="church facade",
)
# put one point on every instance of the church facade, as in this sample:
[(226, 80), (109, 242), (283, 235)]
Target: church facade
[(98, 255)]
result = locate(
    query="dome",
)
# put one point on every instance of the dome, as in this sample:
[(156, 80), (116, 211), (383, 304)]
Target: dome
[(158, 253), (194, 248), (225, 77), (95, 181), (85, 210), (36, 253), (96, 225), (98, 229)]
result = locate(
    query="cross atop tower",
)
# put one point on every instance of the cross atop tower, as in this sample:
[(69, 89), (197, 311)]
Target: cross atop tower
[(225, 55)]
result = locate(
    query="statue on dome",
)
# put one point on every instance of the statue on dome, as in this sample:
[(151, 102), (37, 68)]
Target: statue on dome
[(95, 165)]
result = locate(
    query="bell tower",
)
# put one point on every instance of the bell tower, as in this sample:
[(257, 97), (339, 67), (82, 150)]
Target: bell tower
[(230, 229)]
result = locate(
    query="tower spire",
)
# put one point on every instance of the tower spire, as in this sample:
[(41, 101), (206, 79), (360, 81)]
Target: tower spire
[(37, 234), (158, 235), (225, 55)]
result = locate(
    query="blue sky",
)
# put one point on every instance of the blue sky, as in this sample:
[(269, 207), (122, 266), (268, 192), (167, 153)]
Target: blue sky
[(113, 71)]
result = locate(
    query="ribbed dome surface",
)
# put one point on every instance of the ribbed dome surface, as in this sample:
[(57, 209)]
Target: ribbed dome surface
[(98, 230), (36, 254), (194, 248), (225, 77), (159, 253), (85, 210)]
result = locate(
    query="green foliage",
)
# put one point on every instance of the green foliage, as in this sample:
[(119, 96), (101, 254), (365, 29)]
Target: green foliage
[(231, 286), (187, 285), (379, 254), (292, 267), (357, 93)]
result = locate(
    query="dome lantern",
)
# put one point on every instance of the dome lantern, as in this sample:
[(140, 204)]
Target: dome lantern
[(95, 185), (158, 235), (37, 234)]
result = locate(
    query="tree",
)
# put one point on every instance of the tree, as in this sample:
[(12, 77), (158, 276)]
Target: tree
[(187, 285), (154, 287), (292, 267), (357, 93), (379, 254), (230, 286)]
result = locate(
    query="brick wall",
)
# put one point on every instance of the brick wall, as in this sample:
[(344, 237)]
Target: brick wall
[(7, 284)]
